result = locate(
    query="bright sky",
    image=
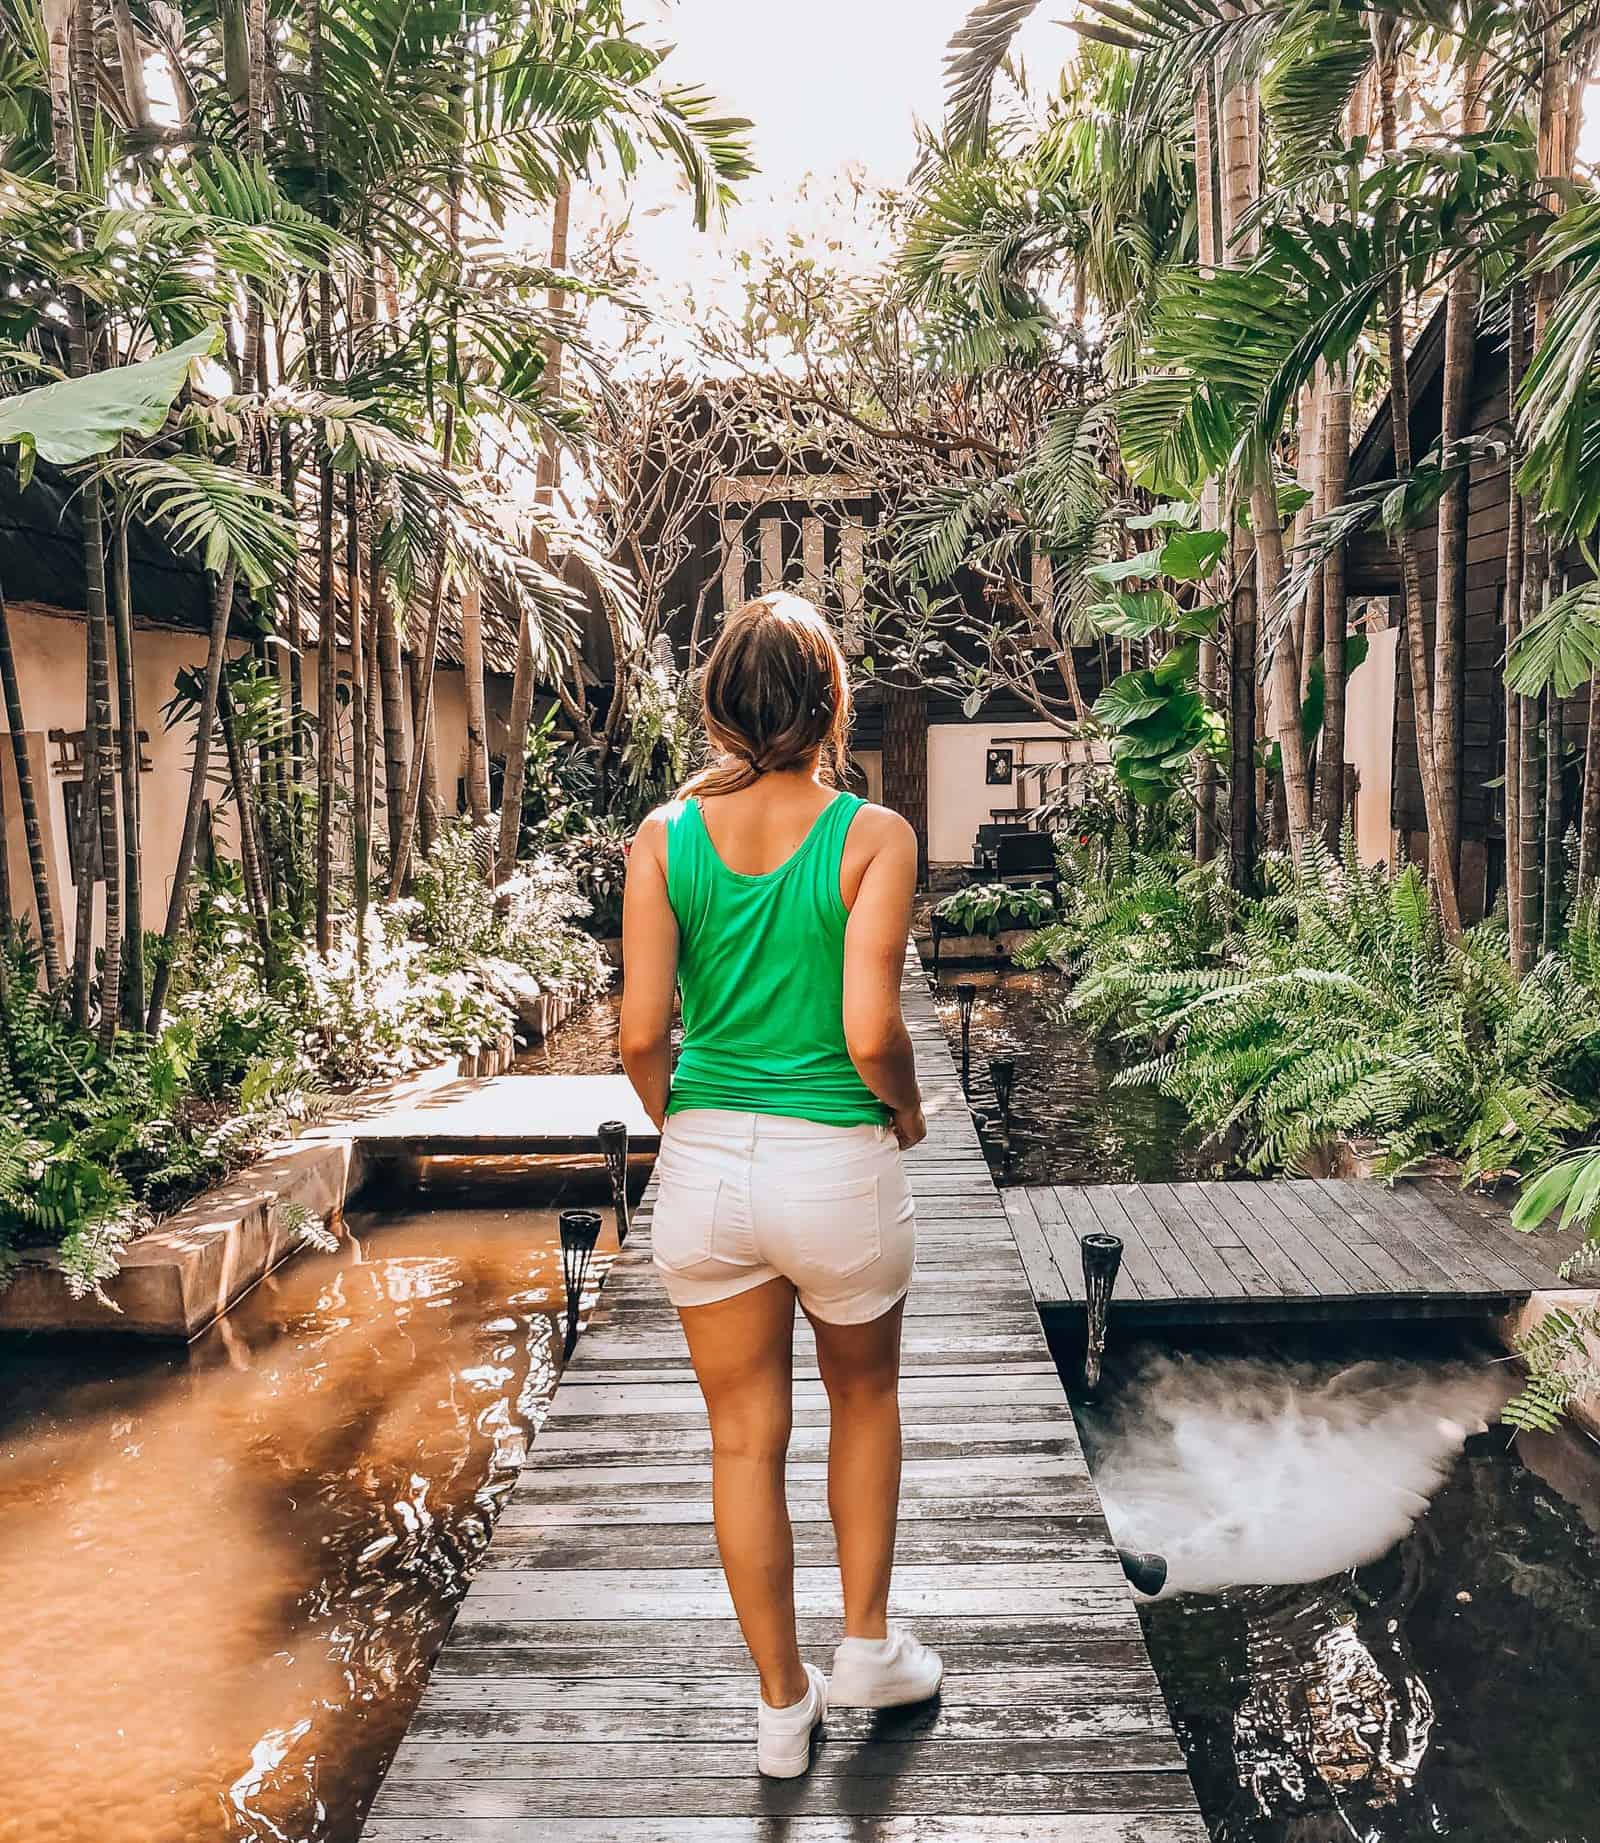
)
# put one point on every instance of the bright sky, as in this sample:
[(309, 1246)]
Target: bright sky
[(831, 85)]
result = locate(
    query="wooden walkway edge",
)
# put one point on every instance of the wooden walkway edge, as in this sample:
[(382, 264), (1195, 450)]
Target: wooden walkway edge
[(1280, 1250), (594, 1688)]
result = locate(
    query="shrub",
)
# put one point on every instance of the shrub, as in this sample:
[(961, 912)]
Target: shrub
[(1334, 1006), (986, 908)]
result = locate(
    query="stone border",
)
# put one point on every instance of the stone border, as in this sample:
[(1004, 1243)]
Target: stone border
[(973, 949), (186, 1273)]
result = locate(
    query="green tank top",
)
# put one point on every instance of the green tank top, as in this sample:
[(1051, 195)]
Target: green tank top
[(761, 976)]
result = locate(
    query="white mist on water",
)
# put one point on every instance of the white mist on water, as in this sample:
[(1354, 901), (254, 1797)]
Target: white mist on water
[(1244, 1472)]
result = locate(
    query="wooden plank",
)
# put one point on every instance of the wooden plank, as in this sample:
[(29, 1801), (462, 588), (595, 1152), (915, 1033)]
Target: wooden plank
[(1223, 1235), (1045, 1278), (900, 1787), (1388, 1272), (1164, 1247), (1329, 1267), (1216, 1278), (1060, 1242), (972, 1827), (1243, 1213)]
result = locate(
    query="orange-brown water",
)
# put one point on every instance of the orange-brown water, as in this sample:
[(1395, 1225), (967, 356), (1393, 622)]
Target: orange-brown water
[(224, 1573)]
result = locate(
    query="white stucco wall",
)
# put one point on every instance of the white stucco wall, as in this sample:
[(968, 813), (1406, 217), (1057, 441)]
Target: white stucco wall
[(1369, 744), (959, 798), (50, 667)]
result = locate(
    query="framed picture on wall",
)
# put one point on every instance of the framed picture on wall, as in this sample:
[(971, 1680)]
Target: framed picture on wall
[(1000, 766)]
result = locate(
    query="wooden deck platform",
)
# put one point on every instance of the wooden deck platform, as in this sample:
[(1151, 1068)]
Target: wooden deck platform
[(1208, 1253), (594, 1688), (507, 1115)]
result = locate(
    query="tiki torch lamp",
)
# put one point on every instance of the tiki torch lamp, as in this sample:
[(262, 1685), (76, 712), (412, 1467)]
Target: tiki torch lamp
[(580, 1230), (613, 1136), (1003, 1073), (1102, 1256), (966, 997)]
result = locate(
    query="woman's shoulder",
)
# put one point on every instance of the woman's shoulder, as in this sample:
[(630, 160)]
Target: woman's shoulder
[(879, 828)]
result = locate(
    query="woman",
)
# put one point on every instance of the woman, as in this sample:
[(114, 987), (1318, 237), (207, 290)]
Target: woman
[(779, 907)]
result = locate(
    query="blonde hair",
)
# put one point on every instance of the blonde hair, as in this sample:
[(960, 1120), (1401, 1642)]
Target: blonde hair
[(776, 691)]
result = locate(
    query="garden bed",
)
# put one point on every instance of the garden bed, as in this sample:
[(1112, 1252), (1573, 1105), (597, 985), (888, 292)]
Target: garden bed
[(975, 949), (198, 1263)]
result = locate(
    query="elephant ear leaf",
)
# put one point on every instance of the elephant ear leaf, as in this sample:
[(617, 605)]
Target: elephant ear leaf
[(80, 418)]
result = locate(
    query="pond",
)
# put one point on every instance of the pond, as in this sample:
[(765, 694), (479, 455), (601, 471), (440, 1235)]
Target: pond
[(225, 1571), (1381, 1622), (1069, 1124)]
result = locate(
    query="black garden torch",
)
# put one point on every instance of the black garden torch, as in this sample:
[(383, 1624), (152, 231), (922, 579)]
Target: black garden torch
[(613, 1137), (1102, 1256), (580, 1230), (1003, 1073), (966, 997)]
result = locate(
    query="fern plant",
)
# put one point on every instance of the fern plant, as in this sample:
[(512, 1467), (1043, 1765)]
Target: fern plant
[(1333, 1006)]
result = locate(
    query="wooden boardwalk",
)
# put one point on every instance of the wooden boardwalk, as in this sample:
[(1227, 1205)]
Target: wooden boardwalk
[(594, 1688), (1280, 1249)]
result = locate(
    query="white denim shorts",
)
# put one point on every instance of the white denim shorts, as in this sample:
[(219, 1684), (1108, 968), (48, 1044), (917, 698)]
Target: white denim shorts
[(746, 1197)]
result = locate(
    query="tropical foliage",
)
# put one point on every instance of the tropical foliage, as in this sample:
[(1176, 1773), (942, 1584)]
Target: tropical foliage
[(1334, 1006), (987, 908), (270, 304)]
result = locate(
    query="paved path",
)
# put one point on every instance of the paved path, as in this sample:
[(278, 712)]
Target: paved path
[(1285, 1249), (594, 1689)]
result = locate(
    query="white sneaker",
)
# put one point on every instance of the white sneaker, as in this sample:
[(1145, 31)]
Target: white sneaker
[(783, 1736), (884, 1673)]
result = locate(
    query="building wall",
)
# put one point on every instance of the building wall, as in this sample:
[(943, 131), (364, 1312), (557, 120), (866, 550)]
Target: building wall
[(1369, 746), (49, 647), (960, 798), (1482, 688)]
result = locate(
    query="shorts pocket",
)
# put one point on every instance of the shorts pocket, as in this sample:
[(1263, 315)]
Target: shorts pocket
[(683, 1227), (840, 1227)]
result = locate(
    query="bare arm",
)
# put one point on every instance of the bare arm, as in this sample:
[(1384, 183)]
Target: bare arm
[(874, 958), (650, 969)]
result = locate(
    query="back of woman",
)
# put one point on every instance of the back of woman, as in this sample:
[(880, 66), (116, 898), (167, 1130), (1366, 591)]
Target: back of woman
[(778, 907)]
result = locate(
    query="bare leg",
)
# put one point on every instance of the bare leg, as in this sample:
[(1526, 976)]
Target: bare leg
[(860, 1367), (743, 1354)]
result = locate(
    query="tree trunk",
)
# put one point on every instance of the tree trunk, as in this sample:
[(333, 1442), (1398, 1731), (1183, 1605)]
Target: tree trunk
[(424, 758), (1550, 918), (396, 756), (28, 801), (1441, 867), (549, 462), (1335, 612), (1285, 676), (205, 722), (1208, 671), (133, 973), (477, 715), (327, 629), (423, 766), (1516, 742), (361, 862), (1450, 612), (250, 865)]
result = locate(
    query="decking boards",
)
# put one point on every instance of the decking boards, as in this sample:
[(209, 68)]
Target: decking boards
[(1205, 1253), (594, 1688), (508, 1116)]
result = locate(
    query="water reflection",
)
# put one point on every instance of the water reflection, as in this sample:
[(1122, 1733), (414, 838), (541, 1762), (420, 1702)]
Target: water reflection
[(1443, 1687), (1069, 1125), (224, 1573)]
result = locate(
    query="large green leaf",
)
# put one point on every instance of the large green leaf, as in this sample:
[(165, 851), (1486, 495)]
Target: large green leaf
[(1561, 647), (79, 418), (1190, 555)]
